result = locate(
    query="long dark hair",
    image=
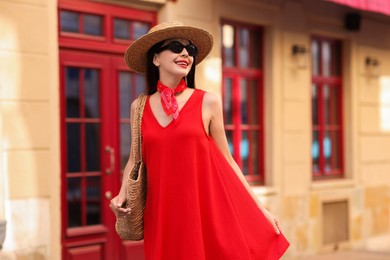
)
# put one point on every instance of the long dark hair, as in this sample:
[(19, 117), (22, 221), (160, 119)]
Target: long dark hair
[(153, 75)]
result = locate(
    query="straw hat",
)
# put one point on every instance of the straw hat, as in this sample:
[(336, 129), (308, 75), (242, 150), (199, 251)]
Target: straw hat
[(136, 53)]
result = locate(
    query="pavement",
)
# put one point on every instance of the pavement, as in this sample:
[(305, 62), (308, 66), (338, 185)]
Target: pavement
[(376, 248), (349, 255)]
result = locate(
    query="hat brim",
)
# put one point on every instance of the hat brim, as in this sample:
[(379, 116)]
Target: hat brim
[(136, 53)]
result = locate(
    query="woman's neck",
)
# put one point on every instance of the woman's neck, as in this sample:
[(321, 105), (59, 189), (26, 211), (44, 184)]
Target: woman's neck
[(170, 81)]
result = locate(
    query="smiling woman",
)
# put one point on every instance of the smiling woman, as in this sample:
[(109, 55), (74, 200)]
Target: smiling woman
[(194, 188)]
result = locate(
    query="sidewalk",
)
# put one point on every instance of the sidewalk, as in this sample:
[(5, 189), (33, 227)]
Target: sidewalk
[(376, 248), (350, 255)]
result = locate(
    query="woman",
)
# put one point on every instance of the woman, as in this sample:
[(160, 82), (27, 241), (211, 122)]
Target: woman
[(199, 205)]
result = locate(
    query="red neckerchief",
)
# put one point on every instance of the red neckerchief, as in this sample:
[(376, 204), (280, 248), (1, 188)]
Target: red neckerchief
[(168, 99)]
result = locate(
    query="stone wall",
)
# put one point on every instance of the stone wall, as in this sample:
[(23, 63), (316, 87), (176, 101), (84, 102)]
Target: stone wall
[(29, 136)]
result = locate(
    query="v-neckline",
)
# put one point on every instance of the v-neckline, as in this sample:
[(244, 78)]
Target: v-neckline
[(170, 122)]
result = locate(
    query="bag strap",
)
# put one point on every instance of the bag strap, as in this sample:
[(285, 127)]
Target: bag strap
[(137, 134)]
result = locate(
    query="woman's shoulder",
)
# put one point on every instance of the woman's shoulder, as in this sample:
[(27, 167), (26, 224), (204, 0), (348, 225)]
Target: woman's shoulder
[(134, 104), (211, 99)]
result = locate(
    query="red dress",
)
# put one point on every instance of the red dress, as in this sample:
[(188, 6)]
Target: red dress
[(196, 206)]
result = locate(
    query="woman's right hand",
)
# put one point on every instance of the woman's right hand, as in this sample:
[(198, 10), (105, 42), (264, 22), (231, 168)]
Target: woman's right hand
[(116, 204)]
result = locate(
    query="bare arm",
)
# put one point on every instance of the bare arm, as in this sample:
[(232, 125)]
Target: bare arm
[(117, 202), (213, 121)]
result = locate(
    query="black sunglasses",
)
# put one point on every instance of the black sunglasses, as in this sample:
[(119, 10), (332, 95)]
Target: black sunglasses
[(177, 47)]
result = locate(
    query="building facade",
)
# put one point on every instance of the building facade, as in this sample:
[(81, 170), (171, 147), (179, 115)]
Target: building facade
[(306, 94)]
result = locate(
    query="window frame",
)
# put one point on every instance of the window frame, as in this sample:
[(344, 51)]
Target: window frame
[(107, 42), (332, 81), (236, 74)]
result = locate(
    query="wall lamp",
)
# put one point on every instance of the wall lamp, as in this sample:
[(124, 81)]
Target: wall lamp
[(372, 62), (299, 55), (372, 66), (298, 49)]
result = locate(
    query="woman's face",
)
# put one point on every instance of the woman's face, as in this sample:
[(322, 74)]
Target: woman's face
[(171, 63)]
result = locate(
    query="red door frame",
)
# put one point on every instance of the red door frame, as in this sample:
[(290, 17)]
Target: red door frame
[(106, 54), (90, 234)]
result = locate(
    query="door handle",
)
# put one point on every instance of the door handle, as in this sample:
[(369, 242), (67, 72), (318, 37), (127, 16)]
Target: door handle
[(111, 152), (108, 195)]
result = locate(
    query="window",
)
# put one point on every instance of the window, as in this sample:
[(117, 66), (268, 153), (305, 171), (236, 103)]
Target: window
[(242, 96), (83, 126), (327, 143), (125, 29), (130, 86), (99, 27), (81, 23)]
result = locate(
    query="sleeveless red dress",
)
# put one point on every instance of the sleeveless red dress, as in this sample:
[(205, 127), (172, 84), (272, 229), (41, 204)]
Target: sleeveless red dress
[(196, 206)]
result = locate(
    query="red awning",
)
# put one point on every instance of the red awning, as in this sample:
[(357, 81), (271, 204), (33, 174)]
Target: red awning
[(379, 6)]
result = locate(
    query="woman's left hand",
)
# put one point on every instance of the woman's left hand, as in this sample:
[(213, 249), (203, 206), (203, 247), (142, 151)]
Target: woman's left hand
[(273, 220)]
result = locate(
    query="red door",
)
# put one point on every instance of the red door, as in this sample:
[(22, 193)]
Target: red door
[(95, 96), (97, 91)]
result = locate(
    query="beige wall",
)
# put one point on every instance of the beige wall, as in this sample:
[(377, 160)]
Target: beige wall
[(29, 92), (29, 135), (290, 192)]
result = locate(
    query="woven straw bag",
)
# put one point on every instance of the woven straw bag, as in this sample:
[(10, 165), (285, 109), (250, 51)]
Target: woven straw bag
[(131, 226)]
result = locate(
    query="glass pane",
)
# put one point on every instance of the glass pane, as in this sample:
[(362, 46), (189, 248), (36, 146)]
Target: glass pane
[(121, 29), (244, 48), (315, 49), (139, 29), (331, 151), (93, 24), (74, 202), (140, 85), (91, 93), (229, 136), (93, 200), (228, 101), (73, 147), (228, 38), (314, 106), (254, 103), (331, 109), (92, 148), (125, 97), (255, 48), (69, 21), (125, 144), (254, 147), (334, 105), (72, 92), (315, 152), (336, 59), (244, 152), (244, 101), (326, 58)]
